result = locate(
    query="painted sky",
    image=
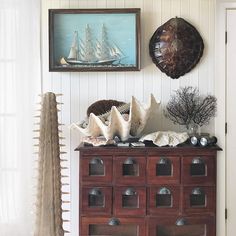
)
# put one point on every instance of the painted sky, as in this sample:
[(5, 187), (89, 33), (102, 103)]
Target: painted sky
[(120, 27)]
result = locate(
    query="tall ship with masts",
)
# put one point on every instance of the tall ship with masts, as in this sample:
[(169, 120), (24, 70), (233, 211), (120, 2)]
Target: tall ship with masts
[(92, 51)]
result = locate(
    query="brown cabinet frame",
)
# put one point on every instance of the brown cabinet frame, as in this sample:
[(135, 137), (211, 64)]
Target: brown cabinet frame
[(147, 217)]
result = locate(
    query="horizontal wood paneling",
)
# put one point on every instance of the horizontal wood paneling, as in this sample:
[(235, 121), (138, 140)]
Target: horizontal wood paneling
[(81, 89)]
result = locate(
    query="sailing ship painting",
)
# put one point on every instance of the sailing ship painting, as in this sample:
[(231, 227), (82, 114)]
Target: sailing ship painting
[(94, 40), (93, 52)]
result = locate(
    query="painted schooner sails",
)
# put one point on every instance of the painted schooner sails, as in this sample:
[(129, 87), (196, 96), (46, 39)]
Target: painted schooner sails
[(92, 51)]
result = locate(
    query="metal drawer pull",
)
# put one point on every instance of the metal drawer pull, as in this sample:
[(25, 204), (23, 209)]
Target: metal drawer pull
[(95, 192), (164, 191), (181, 222), (163, 161), (129, 161), (96, 161), (113, 222), (129, 192), (197, 191), (197, 160)]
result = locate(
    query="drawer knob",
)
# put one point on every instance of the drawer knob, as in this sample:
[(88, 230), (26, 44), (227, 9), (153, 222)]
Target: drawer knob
[(197, 160), (96, 161), (181, 222), (129, 161), (113, 222), (129, 192), (95, 192), (197, 191), (163, 161), (164, 191)]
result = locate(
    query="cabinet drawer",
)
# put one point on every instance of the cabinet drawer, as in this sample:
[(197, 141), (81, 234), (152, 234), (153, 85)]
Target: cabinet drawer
[(164, 200), (96, 200), (130, 201), (100, 226), (199, 199), (182, 226), (96, 169), (198, 170), (163, 170), (129, 170)]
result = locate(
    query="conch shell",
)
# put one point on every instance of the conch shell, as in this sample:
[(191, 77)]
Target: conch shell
[(141, 120)]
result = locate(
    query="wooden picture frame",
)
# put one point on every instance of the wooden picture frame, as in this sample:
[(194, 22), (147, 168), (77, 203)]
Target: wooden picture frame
[(94, 39)]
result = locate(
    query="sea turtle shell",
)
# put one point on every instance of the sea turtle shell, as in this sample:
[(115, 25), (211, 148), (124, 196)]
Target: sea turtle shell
[(176, 47)]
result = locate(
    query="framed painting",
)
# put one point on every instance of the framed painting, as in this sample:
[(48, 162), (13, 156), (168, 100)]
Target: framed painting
[(94, 39)]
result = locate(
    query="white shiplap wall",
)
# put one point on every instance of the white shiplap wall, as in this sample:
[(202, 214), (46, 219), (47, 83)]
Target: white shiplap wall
[(81, 89)]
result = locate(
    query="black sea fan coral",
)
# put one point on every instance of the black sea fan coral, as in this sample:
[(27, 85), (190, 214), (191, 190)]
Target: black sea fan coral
[(188, 107), (206, 109)]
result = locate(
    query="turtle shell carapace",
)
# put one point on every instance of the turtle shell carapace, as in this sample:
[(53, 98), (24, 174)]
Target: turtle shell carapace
[(176, 47)]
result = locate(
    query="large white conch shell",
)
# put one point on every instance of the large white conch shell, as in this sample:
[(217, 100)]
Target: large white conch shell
[(141, 118)]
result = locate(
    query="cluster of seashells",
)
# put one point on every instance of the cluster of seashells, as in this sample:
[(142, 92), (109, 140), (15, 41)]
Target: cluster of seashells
[(139, 119), (126, 120)]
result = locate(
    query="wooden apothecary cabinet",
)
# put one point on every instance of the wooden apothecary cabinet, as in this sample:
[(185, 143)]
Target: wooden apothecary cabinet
[(147, 191)]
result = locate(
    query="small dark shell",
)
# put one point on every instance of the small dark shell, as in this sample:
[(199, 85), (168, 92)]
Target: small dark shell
[(176, 47), (102, 106)]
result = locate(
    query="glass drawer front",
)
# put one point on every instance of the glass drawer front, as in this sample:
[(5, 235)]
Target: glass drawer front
[(199, 199), (182, 226), (163, 170), (129, 170), (120, 230), (96, 169), (187, 230), (96, 200), (112, 226), (130, 201), (199, 170), (164, 200)]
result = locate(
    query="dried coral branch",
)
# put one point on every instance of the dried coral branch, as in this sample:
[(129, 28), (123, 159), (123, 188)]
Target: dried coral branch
[(181, 107), (205, 111), (188, 107)]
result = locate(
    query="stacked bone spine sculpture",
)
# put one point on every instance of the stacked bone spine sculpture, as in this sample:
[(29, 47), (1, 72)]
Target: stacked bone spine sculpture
[(49, 210)]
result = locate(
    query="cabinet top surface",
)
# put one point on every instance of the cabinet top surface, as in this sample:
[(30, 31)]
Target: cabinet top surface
[(179, 148)]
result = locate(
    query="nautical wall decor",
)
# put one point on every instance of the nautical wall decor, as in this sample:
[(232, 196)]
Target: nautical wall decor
[(176, 47), (94, 39)]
